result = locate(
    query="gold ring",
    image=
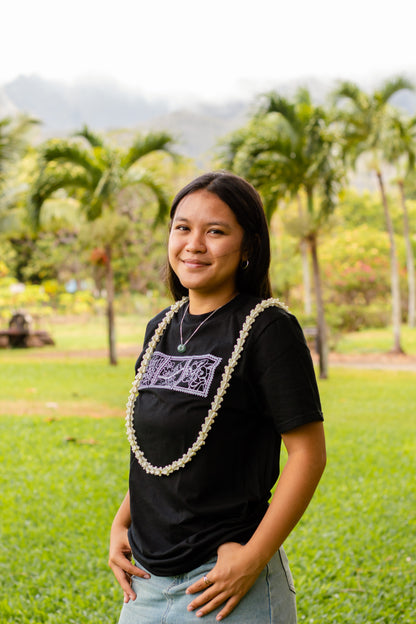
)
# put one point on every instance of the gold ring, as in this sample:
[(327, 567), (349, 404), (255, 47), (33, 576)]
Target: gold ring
[(207, 581)]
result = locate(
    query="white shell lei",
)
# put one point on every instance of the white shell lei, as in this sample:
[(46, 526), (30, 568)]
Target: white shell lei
[(216, 403)]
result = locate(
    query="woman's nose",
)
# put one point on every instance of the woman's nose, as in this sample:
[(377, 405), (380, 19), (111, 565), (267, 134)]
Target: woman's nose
[(195, 243)]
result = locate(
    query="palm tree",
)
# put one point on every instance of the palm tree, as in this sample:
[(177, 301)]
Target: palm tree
[(365, 120), (288, 149), (97, 173), (14, 133), (401, 151), (13, 140)]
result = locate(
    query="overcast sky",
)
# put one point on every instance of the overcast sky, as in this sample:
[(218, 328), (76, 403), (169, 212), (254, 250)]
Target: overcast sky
[(212, 49)]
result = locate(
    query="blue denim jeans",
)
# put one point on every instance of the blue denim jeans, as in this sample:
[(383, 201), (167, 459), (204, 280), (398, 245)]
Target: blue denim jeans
[(162, 599)]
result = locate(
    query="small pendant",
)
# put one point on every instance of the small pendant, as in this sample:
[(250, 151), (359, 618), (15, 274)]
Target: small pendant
[(181, 348)]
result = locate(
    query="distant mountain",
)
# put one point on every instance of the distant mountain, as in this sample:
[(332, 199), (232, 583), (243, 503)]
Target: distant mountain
[(61, 107), (197, 131), (106, 106), (7, 108)]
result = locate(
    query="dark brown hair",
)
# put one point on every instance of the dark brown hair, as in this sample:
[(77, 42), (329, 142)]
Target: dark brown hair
[(242, 198)]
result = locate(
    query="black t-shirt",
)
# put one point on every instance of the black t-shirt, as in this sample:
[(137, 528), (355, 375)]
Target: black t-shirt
[(178, 521)]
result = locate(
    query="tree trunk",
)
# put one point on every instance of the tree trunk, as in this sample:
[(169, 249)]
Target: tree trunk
[(307, 290), (109, 283), (322, 337), (306, 274), (410, 262), (394, 268)]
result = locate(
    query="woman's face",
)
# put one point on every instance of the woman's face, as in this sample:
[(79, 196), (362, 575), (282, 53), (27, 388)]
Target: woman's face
[(205, 245)]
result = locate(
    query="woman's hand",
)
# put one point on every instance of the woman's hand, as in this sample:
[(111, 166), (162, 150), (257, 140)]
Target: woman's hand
[(230, 579), (120, 561), (238, 567)]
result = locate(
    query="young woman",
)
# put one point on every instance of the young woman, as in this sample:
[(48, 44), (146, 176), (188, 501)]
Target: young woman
[(224, 376)]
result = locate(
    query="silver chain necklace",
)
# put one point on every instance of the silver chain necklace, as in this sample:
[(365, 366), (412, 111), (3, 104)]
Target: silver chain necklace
[(182, 346)]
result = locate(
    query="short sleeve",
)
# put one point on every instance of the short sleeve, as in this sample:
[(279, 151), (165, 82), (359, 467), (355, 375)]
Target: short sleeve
[(284, 375)]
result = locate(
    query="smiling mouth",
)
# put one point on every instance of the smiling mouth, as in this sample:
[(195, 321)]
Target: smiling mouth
[(195, 263)]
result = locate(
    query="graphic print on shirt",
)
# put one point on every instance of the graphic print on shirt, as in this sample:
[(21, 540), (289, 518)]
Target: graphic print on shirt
[(191, 374)]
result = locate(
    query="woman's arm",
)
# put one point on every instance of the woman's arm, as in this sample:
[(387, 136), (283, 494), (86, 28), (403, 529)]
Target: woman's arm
[(120, 551), (238, 566)]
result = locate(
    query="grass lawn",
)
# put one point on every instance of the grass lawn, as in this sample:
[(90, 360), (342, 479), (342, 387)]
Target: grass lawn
[(72, 335), (354, 552), (376, 341), (64, 473)]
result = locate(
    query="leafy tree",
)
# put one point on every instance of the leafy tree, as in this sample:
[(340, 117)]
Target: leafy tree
[(366, 122), (97, 173), (288, 150)]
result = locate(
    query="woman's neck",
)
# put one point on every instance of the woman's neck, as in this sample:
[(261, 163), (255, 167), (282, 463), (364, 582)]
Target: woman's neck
[(201, 304)]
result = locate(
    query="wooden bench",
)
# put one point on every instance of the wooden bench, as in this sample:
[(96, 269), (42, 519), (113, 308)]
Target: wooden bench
[(21, 334)]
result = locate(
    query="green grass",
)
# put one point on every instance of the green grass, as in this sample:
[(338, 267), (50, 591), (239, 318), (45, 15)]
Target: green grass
[(353, 554), (71, 380), (376, 341), (91, 332), (58, 499), (354, 551)]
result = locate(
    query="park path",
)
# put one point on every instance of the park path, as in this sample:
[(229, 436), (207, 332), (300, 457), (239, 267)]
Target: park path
[(372, 361), (375, 361)]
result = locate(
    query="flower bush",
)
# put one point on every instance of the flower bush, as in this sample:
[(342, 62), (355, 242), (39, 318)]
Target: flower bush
[(356, 274), (44, 300)]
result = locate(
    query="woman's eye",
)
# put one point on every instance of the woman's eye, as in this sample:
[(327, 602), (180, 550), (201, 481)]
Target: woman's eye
[(215, 231), (181, 228)]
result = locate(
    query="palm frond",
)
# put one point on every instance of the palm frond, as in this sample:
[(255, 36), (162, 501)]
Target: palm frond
[(63, 151), (348, 98), (391, 87), (303, 96), (13, 139), (400, 140), (274, 103), (48, 183), (347, 89), (93, 139), (142, 177), (146, 144), (229, 147)]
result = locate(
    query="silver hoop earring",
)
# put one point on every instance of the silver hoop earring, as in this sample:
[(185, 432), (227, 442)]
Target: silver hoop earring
[(244, 265)]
